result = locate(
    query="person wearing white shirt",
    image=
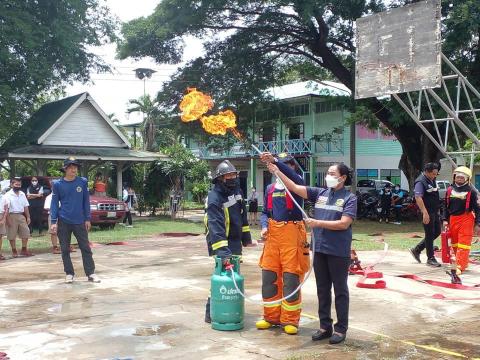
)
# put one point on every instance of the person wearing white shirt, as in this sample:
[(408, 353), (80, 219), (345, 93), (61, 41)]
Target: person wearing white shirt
[(53, 236), (130, 199), (3, 219), (18, 217)]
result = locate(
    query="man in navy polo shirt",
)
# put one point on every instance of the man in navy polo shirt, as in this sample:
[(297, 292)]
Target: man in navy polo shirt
[(72, 216), (428, 200)]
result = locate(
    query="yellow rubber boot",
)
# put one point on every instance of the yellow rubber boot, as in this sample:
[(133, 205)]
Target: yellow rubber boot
[(290, 329), (263, 325)]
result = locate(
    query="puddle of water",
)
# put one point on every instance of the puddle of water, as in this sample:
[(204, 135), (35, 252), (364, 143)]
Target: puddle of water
[(158, 346), (4, 301), (162, 315), (154, 330)]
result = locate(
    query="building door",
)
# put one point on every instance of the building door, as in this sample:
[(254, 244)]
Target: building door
[(243, 176)]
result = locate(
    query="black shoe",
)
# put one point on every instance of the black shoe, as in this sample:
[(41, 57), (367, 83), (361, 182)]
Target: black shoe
[(433, 262), (208, 319), (337, 338), (320, 335), (415, 254)]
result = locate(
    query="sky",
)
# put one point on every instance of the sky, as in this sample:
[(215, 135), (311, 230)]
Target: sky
[(112, 91)]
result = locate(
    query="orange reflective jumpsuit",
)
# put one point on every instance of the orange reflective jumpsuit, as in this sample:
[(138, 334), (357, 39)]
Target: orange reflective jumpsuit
[(285, 257), (461, 212)]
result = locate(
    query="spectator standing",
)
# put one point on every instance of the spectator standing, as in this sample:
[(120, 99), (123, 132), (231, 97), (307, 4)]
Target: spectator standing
[(397, 202), (130, 200), (100, 185), (428, 201), (73, 216), (385, 202), (253, 206), (18, 217), (3, 220), (53, 236), (36, 200)]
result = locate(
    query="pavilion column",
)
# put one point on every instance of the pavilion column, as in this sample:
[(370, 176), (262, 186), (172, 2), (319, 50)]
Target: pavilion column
[(119, 179), (41, 167), (11, 164)]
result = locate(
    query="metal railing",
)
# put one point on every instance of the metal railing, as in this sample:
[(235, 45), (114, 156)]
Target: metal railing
[(329, 146), (293, 147)]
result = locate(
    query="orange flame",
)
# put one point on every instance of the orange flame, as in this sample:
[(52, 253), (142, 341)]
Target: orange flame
[(220, 123), (194, 105)]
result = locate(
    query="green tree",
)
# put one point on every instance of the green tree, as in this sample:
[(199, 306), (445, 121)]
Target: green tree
[(249, 43), (150, 111), (43, 45)]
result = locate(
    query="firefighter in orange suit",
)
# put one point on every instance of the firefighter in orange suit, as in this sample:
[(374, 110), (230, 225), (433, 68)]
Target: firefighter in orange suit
[(462, 214), (285, 258)]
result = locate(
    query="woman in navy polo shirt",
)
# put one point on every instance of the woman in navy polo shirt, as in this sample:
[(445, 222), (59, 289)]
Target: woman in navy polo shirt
[(335, 210)]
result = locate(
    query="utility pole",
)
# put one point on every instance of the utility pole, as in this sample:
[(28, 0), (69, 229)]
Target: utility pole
[(353, 156)]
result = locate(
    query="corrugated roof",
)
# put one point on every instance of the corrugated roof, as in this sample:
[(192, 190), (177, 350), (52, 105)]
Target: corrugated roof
[(308, 88), (40, 122), (83, 153)]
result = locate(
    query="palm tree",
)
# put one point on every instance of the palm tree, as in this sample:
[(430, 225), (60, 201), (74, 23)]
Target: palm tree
[(150, 111)]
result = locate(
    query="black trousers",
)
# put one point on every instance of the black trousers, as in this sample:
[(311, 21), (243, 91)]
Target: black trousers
[(332, 270), (432, 231), (64, 232), (385, 211), (36, 218), (128, 216), (398, 216)]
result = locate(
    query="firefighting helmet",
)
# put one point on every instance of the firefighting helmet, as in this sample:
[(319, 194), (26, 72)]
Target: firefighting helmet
[(286, 158), (463, 170), (71, 161), (225, 167)]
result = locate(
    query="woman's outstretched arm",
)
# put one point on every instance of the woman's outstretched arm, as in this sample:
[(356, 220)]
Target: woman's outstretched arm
[(300, 190)]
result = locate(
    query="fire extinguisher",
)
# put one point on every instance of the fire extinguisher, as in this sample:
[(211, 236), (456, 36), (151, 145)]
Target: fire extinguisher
[(446, 245)]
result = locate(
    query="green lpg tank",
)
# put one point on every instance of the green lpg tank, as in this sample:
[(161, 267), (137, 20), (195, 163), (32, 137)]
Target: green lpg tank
[(227, 305)]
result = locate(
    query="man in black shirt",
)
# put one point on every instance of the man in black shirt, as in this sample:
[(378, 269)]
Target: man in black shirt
[(428, 200)]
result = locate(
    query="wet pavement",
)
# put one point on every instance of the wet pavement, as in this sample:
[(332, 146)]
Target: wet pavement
[(150, 305)]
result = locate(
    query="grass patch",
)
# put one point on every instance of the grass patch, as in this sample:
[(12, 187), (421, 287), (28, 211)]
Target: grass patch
[(398, 237), (141, 229)]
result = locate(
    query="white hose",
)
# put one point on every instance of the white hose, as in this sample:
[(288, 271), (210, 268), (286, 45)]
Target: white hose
[(312, 237)]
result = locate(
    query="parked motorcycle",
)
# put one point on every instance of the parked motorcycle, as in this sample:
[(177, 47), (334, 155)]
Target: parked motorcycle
[(368, 206)]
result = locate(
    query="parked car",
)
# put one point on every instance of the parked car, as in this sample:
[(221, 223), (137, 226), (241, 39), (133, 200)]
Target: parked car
[(105, 211), (442, 188), (372, 186)]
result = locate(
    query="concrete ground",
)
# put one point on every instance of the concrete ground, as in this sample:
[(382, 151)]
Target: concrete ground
[(150, 305)]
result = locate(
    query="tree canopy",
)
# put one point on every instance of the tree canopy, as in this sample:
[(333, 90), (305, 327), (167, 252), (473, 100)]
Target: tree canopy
[(43, 45), (252, 45)]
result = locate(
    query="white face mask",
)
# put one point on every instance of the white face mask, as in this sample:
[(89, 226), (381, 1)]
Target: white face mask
[(331, 181), (34, 183), (278, 184)]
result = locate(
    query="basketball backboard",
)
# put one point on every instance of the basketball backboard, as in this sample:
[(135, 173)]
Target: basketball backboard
[(399, 50)]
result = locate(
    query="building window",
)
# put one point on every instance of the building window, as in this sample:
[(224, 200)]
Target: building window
[(367, 174), (268, 133), (392, 175), (327, 106), (299, 110), (296, 131)]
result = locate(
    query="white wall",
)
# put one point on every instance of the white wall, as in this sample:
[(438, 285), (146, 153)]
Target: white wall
[(84, 127)]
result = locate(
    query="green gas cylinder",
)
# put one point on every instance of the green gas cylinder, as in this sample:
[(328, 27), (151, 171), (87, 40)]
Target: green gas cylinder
[(227, 306)]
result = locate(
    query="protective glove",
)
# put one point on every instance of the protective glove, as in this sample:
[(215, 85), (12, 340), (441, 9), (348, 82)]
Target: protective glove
[(224, 253)]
